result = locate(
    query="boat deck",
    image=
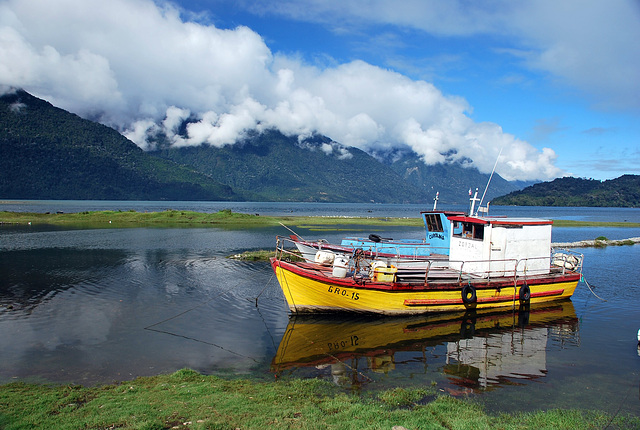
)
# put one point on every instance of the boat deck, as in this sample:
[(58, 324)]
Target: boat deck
[(435, 275)]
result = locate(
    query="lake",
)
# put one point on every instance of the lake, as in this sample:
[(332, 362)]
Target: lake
[(95, 306)]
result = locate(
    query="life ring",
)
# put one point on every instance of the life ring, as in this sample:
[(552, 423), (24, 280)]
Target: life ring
[(468, 294), (375, 238), (525, 293)]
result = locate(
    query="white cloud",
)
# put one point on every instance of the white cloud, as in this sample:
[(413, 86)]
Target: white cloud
[(591, 46), (140, 67)]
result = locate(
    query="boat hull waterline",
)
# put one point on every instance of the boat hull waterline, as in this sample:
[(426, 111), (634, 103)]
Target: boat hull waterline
[(307, 289)]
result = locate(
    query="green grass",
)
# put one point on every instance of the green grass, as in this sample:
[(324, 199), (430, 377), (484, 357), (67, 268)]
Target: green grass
[(264, 255), (169, 218), (189, 400), (132, 218), (228, 219)]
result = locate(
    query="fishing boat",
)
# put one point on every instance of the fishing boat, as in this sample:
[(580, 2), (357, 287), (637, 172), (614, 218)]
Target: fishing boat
[(493, 262)]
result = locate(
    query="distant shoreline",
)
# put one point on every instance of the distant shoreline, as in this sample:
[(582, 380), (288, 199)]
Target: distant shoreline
[(228, 219)]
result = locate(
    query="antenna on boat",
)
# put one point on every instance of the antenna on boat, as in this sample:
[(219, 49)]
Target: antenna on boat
[(473, 200), (435, 201), (489, 181)]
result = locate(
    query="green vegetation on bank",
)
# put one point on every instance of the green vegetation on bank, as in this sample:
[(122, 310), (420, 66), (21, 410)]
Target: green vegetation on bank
[(170, 218), (189, 400), (133, 218), (228, 218), (49, 153), (620, 192)]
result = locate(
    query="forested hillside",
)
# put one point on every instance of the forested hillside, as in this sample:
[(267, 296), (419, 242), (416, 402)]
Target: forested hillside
[(620, 192), (279, 168), (48, 153)]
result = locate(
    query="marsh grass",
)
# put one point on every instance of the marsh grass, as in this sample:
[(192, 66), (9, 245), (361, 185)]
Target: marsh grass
[(189, 400), (228, 219), (171, 218), (108, 219), (264, 255)]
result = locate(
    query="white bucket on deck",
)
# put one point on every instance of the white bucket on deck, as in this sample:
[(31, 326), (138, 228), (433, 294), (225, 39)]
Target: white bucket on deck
[(325, 258), (340, 265)]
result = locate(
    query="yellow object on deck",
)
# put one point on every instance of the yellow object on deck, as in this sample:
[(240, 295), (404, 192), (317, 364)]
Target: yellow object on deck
[(385, 274)]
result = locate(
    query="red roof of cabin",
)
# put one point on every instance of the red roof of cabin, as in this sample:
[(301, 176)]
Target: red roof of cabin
[(501, 221)]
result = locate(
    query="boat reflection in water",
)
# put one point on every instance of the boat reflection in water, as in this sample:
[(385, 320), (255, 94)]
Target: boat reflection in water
[(481, 350)]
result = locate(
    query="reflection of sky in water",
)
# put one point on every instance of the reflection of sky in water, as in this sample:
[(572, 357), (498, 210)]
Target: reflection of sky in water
[(83, 301)]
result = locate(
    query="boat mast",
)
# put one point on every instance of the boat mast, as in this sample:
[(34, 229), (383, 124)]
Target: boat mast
[(489, 181), (473, 200), (435, 201)]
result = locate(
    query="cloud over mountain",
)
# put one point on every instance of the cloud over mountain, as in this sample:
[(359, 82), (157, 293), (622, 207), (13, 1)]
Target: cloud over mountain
[(146, 67)]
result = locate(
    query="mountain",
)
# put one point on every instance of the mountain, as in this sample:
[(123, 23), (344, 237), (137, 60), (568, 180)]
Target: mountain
[(620, 192), (453, 180), (275, 167), (49, 153)]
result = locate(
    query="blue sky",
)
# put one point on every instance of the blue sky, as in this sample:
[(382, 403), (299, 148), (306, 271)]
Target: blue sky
[(553, 85)]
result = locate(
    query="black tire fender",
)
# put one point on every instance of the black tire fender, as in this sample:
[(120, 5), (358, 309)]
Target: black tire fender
[(469, 294), (525, 293)]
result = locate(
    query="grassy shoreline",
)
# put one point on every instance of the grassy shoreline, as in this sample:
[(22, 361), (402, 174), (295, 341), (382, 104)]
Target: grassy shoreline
[(226, 218), (189, 400)]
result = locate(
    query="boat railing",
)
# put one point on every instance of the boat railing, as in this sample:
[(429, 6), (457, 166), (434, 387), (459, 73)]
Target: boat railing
[(484, 269), (567, 261), (397, 249), (407, 251), (283, 252), (532, 266), (427, 270)]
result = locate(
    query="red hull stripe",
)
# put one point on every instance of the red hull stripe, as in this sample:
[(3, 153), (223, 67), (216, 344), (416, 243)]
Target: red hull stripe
[(430, 302)]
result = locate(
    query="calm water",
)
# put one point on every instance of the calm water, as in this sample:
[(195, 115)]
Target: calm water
[(94, 306)]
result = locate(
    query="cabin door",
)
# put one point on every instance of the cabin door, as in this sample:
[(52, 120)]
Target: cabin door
[(497, 252)]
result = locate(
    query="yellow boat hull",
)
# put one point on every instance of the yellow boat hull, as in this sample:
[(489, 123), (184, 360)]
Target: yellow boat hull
[(307, 289)]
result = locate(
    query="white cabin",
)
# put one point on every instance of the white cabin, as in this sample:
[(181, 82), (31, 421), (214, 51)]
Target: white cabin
[(491, 246)]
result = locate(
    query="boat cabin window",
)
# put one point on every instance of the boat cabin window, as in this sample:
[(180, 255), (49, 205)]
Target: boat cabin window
[(469, 230), (434, 223)]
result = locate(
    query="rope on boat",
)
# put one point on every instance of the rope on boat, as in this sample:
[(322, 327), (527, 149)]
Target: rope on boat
[(151, 327), (590, 289), (201, 341), (291, 230), (194, 308), (264, 288), (284, 278)]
